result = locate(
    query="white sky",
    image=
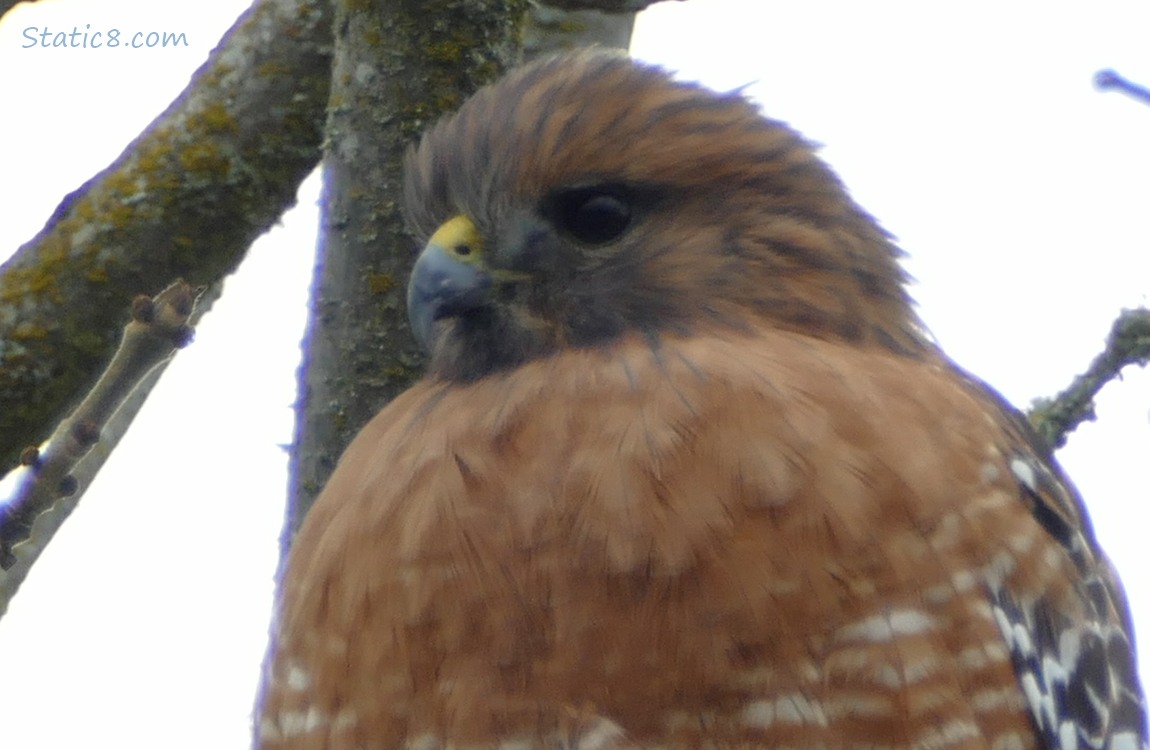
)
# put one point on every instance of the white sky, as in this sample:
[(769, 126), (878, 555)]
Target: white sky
[(972, 132)]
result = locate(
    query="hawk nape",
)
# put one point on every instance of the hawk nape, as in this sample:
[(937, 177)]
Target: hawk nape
[(686, 470)]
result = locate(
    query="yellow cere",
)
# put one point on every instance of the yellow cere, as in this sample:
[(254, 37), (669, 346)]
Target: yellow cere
[(459, 237)]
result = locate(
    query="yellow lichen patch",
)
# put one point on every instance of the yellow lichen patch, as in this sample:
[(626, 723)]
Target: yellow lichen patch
[(203, 158), (572, 26), (272, 69), (399, 372), (27, 331), (41, 278), (122, 183), (213, 119), (216, 75), (115, 211), (449, 52), (380, 283), (152, 170)]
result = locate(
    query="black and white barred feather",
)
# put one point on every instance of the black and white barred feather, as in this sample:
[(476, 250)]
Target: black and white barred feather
[(1078, 674)]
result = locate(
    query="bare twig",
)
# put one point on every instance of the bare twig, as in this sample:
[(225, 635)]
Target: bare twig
[(1106, 80), (158, 327), (1127, 344)]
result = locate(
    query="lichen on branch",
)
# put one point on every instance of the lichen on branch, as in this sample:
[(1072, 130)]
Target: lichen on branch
[(1128, 344)]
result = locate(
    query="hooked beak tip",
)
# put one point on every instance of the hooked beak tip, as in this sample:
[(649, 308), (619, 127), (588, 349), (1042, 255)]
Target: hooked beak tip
[(442, 286)]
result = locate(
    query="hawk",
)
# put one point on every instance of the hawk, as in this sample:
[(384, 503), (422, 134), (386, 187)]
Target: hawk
[(686, 470)]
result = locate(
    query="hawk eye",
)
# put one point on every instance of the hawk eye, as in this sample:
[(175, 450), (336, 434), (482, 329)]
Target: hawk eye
[(593, 215)]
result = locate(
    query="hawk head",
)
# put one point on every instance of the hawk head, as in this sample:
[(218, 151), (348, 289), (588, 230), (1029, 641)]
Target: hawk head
[(587, 196)]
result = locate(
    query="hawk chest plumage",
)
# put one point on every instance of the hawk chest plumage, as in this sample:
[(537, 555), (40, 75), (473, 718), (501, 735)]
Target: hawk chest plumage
[(754, 540)]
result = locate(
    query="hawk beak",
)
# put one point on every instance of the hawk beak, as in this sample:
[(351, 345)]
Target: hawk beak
[(449, 278)]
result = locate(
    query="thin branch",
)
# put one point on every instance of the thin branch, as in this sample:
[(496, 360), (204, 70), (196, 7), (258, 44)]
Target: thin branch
[(1109, 80), (549, 29), (159, 327), (1127, 344)]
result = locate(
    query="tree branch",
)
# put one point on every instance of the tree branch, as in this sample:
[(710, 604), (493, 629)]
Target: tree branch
[(1127, 344), (549, 29), (185, 199)]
